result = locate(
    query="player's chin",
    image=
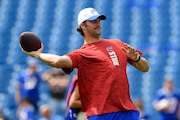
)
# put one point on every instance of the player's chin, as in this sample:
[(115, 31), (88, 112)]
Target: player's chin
[(97, 35), (98, 32)]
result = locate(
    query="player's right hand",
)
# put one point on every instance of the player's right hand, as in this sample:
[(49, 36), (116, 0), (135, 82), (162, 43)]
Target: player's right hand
[(34, 53)]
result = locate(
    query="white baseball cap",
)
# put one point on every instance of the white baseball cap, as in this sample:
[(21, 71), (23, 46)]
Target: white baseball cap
[(89, 14)]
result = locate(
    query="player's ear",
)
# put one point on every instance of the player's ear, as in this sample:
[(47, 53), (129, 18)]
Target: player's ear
[(83, 25)]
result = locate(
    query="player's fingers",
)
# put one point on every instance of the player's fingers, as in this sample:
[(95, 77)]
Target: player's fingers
[(28, 53), (125, 44), (124, 49), (41, 49), (130, 49), (22, 49)]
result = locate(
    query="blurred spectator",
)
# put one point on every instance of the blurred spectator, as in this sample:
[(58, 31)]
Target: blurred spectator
[(167, 102), (140, 105), (2, 116), (26, 110), (28, 84), (47, 114), (73, 102), (58, 82)]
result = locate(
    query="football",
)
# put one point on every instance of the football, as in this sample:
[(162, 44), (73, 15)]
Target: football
[(29, 41)]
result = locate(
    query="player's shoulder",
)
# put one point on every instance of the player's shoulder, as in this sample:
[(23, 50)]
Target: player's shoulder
[(112, 40), (117, 41), (162, 92)]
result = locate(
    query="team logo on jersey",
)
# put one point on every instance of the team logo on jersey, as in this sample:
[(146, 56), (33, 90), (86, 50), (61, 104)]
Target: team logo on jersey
[(113, 55)]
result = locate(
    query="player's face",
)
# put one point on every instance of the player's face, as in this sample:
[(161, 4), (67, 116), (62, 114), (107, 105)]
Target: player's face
[(93, 27), (169, 85), (32, 69)]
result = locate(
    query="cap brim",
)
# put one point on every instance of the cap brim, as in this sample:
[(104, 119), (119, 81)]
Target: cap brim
[(102, 17)]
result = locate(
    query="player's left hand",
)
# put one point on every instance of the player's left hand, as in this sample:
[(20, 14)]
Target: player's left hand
[(130, 52)]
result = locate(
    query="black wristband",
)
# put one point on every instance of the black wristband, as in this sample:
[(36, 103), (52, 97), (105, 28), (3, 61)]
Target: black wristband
[(138, 59)]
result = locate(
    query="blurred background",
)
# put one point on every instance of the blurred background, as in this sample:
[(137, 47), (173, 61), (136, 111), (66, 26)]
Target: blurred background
[(152, 26)]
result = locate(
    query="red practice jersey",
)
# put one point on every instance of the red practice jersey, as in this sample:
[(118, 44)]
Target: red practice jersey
[(102, 79)]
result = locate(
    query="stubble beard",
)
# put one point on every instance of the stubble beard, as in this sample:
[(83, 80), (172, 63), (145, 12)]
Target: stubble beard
[(97, 32)]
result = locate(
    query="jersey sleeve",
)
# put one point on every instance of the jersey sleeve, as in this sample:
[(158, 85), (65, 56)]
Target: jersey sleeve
[(74, 57)]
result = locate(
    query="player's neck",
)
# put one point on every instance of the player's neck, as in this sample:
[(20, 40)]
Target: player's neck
[(88, 40)]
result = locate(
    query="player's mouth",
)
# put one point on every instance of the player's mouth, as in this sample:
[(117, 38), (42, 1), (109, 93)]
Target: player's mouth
[(98, 28)]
